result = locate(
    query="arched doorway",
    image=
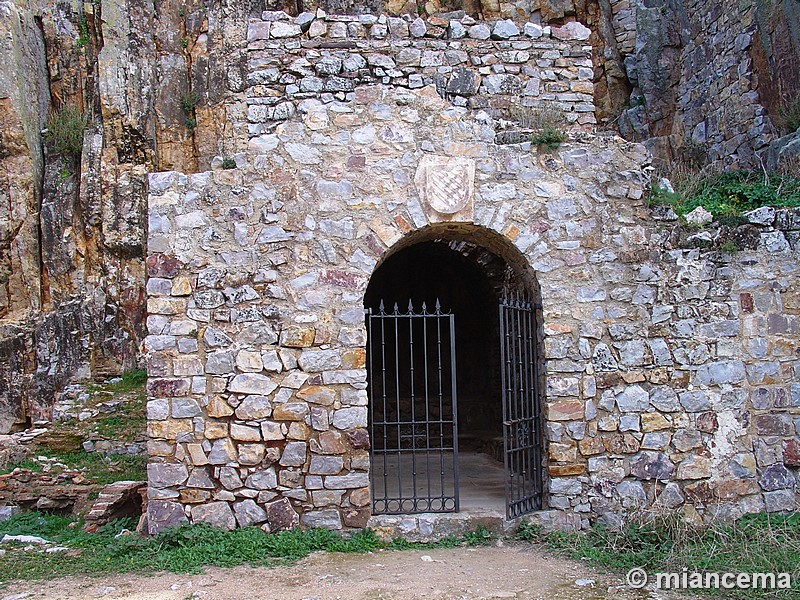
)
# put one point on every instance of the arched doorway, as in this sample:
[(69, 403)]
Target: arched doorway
[(454, 375)]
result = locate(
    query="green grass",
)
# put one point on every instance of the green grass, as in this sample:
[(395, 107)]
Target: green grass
[(128, 422), (727, 195), (96, 467), (63, 440), (130, 381), (125, 424), (480, 537), (758, 543), (184, 549), (83, 38)]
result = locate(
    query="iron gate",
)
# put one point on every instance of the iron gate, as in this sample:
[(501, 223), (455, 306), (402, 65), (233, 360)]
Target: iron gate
[(413, 417), (521, 412)]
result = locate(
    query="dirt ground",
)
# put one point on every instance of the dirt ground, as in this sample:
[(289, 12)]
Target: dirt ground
[(512, 571)]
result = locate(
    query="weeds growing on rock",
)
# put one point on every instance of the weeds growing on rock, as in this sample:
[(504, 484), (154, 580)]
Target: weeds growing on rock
[(95, 467), (129, 381), (789, 116), (65, 130), (727, 195), (61, 446), (83, 27), (480, 537), (549, 137), (189, 102), (542, 127)]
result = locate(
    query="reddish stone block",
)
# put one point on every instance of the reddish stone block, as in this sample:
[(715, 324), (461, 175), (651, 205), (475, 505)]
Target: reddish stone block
[(163, 265), (281, 515), (746, 302), (356, 163), (166, 388), (791, 453), (565, 470), (341, 279), (699, 493), (774, 424), (707, 422), (356, 518), (359, 439)]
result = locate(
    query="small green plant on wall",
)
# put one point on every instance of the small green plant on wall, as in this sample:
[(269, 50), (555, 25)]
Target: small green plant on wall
[(228, 163), (64, 130), (188, 102), (542, 126), (83, 37), (549, 137)]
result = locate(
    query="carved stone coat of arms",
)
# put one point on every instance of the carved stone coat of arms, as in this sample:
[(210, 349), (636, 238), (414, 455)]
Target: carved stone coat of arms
[(445, 185)]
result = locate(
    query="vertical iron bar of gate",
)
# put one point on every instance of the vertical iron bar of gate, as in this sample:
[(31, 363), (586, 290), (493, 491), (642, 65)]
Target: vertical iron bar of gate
[(441, 396), (455, 409), (532, 405), (414, 500), (536, 405), (385, 420), (518, 408), (527, 490), (518, 395), (504, 391), (370, 385), (427, 406), (519, 380), (397, 402)]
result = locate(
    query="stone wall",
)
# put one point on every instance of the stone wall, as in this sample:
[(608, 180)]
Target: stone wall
[(670, 370), (483, 65)]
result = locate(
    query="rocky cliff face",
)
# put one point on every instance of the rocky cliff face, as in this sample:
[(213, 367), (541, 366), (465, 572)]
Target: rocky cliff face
[(163, 86)]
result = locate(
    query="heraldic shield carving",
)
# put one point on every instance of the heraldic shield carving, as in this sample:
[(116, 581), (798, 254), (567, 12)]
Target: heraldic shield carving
[(445, 185)]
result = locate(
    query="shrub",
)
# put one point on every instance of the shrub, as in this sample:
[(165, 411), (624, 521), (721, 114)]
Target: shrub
[(540, 126), (549, 137), (65, 130), (228, 163)]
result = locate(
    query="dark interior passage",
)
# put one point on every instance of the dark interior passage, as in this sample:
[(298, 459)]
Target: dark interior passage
[(453, 340), (426, 273)]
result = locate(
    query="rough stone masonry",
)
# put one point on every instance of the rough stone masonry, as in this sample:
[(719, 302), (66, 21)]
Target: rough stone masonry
[(671, 369)]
